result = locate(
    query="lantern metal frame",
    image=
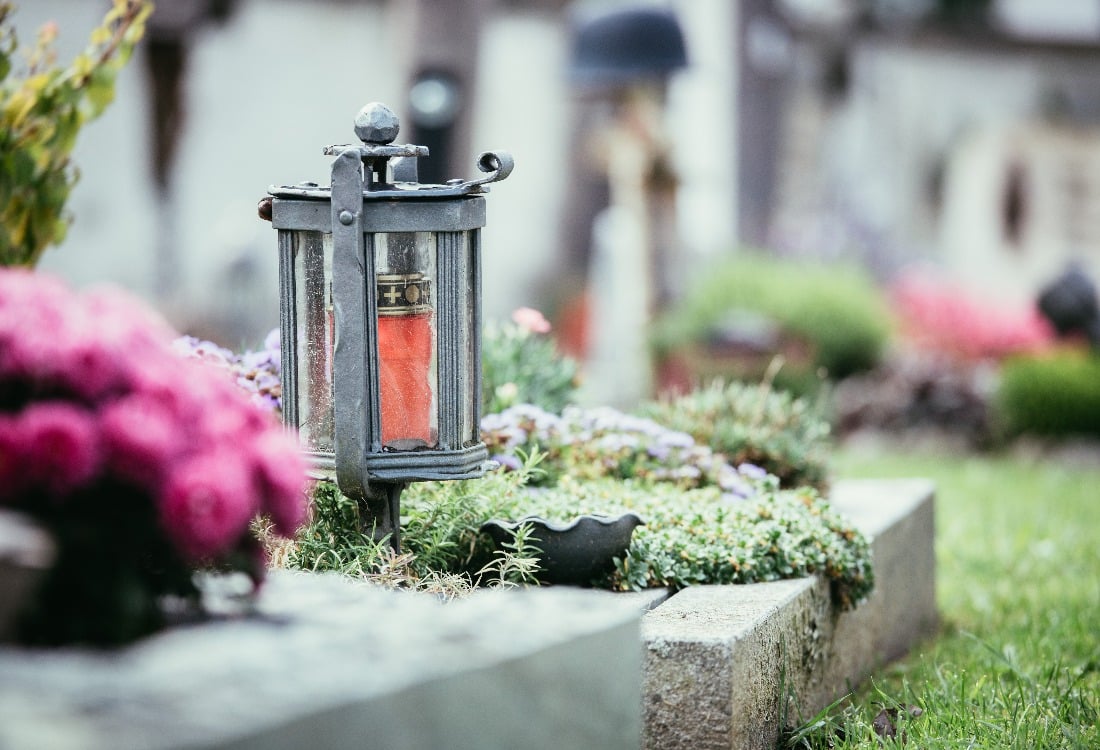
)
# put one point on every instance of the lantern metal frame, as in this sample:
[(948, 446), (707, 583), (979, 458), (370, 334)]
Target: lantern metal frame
[(374, 191)]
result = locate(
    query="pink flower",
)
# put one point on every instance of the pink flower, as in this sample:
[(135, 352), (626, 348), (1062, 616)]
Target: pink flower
[(124, 318), (224, 416), (141, 438), (281, 476), (950, 318), (90, 370), (163, 379), (12, 462), (48, 33), (530, 319), (207, 504), (60, 445)]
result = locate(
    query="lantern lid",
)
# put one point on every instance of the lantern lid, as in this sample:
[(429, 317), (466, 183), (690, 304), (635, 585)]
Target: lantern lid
[(390, 169)]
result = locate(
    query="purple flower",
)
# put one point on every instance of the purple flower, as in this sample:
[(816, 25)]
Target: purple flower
[(734, 487), (207, 351), (256, 372), (273, 344), (674, 439), (752, 471), (508, 462), (659, 451), (265, 401)]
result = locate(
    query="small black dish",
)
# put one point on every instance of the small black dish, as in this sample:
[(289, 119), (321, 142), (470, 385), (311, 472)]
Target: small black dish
[(574, 553)]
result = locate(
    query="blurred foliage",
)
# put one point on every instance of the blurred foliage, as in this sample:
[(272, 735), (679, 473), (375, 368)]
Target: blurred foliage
[(836, 310), (1056, 395), (785, 435), (522, 366), (919, 389), (42, 109)]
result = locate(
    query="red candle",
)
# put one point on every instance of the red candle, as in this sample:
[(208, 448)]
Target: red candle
[(405, 354)]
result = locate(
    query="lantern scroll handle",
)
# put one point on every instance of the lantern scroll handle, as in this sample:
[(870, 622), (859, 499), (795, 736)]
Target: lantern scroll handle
[(499, 164)]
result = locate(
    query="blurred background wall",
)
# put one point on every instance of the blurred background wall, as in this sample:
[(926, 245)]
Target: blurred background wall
[(962, 134)]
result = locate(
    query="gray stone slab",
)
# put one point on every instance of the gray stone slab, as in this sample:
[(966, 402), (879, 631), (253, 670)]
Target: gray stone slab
[(328, 663), (727, 666)]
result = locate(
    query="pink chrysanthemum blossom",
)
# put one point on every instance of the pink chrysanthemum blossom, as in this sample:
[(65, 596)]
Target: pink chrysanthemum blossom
[(168, 458), (12, 463), (141, 439), (206, 505), (60, 446), (92, 395), (279, 470)]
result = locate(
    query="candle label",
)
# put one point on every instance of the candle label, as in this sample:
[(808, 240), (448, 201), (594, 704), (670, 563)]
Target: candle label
[(403, 294)]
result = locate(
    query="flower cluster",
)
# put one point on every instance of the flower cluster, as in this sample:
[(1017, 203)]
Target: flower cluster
[(520, 363), (257, 372), (143, 464), (603, 442), (947, 318)]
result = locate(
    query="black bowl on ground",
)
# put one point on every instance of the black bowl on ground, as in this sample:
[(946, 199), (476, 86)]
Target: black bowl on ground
[(574, 553)]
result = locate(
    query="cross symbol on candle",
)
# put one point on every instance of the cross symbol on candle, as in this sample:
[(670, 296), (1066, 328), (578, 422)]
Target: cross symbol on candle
[(392, 295)]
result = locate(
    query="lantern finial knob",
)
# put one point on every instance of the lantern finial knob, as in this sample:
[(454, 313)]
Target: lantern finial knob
[(377, 124)]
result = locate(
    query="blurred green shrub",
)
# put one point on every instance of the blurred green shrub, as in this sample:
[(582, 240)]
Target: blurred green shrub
[(521, 364), (837, 313), (1056, 395), (42, 109), (785, 435)]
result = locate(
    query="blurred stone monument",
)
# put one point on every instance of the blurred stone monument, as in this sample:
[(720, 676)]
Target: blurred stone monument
[(621, 64)]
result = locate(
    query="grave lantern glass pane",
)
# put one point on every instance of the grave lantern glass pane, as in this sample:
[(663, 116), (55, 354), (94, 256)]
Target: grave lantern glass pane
[(315, 336)]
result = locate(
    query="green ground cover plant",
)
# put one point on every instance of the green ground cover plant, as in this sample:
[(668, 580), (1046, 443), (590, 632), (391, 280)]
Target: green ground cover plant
[(699, 537), (690, 537), (1017, 664), (706, 520)]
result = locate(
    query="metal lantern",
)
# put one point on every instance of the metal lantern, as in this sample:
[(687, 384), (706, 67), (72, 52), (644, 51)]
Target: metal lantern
[(380, 286)]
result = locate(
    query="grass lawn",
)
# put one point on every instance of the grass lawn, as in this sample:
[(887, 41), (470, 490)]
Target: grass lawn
[(1017, 663)]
